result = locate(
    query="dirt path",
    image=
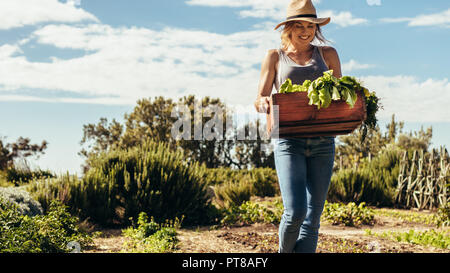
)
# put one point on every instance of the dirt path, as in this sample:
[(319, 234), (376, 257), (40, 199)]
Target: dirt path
[(259, 238)]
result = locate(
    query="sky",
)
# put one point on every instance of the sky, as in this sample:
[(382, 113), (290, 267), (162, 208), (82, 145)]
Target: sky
[(65, 64)]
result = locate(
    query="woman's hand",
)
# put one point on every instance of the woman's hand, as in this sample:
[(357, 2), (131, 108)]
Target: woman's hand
[(262, 105)]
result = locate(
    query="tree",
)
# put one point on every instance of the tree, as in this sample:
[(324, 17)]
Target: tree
[(250, 152), (351, 150), (155, 120), (21, 149), (106, 136)]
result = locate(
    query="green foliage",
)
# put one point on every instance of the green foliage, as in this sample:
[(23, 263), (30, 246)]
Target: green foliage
[(4, 182), (236, 186), (351, 150), (156, 118), (20, 149), (21, 176), (372, 106), (348, 215), (323, 90), (372, 182), (442, 218), (149, 178), (24, 203), (49, 233), (440, 239), (232, 193), (409, 216), (250, 212), (265, 182), (151, 237)]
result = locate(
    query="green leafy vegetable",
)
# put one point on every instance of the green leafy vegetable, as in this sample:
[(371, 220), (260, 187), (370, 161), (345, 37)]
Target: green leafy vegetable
[(327, 88)]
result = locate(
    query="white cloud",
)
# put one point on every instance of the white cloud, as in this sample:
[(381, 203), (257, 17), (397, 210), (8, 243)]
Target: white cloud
[(9, 50), (125, 64), (74, 2), (374, 2), (18, 13), (410, 99), (353, 65), (276, 10), (435, 19), (343, 18)]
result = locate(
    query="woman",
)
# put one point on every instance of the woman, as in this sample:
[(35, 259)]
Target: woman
[(304, 165)]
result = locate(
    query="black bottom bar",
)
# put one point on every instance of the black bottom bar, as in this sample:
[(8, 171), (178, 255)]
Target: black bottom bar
[(223, 262)]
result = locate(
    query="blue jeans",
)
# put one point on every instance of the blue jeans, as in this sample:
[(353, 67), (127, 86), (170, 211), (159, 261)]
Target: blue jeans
[(304, 167)]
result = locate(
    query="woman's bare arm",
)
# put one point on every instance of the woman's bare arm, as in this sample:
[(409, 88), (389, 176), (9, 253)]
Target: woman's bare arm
[(267, 77), (332, 59)]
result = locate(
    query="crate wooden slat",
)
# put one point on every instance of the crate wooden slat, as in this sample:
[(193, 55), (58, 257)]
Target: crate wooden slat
[(296, 118)]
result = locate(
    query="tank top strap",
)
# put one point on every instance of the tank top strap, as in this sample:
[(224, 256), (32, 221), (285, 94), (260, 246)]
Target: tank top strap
[(283, 57)]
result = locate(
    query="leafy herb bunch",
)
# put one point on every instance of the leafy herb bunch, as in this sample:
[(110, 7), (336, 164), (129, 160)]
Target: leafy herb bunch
[(323, 90)]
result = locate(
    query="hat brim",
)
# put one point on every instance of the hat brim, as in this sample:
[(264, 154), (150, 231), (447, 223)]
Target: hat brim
[(319, 21)]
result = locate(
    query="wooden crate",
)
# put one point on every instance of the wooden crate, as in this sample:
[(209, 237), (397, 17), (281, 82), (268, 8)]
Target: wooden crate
[(296, 118)]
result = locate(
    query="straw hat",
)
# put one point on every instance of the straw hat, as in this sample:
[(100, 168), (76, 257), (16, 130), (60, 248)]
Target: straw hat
[(303, 10)]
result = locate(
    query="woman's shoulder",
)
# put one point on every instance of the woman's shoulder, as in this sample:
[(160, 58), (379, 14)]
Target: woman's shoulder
[(272, 55), (328, 50), (273, 52)]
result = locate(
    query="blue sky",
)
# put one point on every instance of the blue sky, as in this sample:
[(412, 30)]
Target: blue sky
[(68, 63)]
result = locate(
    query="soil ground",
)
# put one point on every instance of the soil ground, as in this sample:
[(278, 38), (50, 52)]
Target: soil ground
[(263, 238)]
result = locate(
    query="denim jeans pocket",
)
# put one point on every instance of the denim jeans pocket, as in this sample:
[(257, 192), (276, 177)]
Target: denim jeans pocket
[(283, 144)]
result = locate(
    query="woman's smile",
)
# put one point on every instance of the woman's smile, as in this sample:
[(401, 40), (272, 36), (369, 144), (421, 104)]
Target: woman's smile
[(305, 31)]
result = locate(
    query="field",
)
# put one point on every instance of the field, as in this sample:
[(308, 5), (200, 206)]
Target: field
[(263, 237)]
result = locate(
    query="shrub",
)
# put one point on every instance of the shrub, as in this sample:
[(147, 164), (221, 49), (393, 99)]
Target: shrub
[(22, 200), (232, 193), (149, 178), (442, 217), (233, 187), (68, 189), (150, 236), (49, 233), (20, 176), (373, 182), (348, 215), (408, 216), (265, 182), (251, 212), (440, 239)]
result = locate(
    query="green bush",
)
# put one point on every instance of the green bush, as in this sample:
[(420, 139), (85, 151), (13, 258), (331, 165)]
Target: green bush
[(348, 215), (233, 187), (49, 233), (149, 236), (20, 176), (265, 182), (442, 217), (373, 182), (25, 204), (251, 212), (408, 216), (440, 239), (149, 178), (232, 193), (68, 189)]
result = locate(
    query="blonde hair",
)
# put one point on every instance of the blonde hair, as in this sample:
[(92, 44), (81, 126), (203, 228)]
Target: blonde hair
[(286, 35)]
